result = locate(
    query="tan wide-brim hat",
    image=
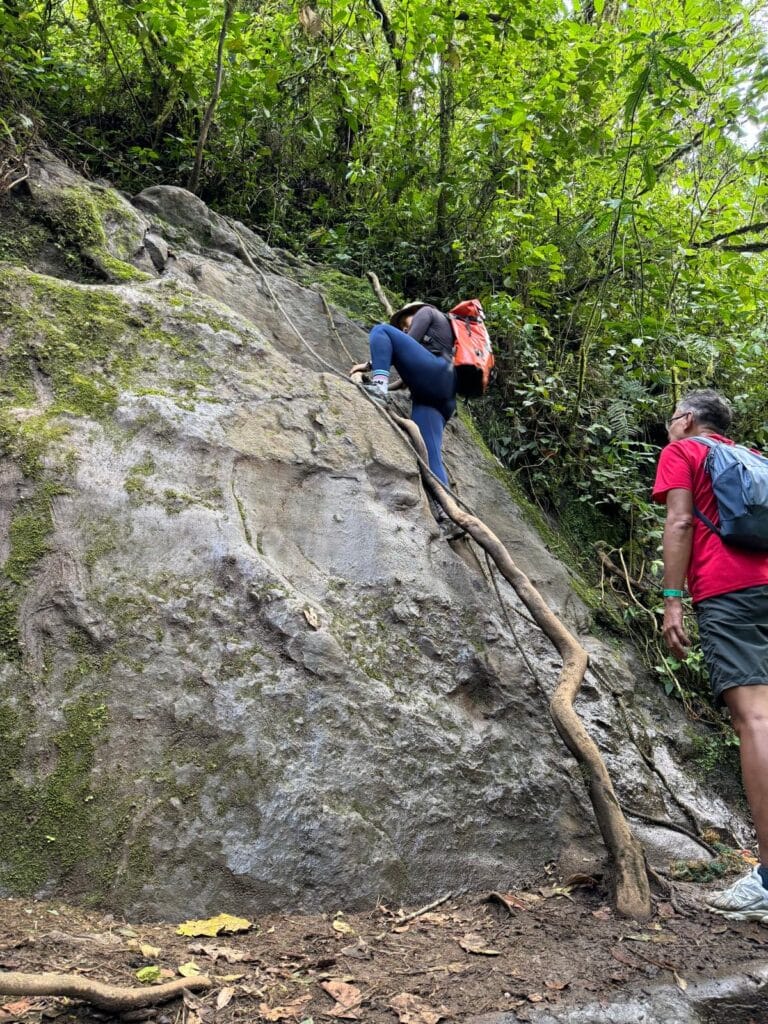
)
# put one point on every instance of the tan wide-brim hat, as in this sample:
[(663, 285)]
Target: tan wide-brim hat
[(408, 310)]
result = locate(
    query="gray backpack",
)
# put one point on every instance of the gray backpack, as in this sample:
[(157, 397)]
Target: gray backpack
[(740, 484)]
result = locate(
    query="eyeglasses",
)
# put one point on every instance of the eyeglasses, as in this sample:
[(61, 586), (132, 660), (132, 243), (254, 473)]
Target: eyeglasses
[(673, 418)]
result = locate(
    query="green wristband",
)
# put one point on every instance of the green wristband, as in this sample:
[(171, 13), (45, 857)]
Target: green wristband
[(672, 593)]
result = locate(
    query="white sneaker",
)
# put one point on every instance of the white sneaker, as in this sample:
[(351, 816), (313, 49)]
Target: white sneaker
[(378, 390), (745, 900)]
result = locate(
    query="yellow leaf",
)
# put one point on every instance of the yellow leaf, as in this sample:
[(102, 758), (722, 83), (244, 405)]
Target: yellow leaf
[(214, 925), (341, 926), (189, 970), (150, 952)]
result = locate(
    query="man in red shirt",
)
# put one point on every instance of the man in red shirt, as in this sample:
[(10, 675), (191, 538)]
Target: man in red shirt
[(729, 588)]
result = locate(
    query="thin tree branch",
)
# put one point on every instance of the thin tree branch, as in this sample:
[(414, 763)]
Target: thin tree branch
[(747, 229), (194, 178)]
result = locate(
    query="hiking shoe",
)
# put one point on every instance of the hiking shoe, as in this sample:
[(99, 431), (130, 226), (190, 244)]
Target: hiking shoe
[(745, 900), (378, 390)]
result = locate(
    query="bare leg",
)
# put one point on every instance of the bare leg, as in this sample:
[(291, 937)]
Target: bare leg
[(749, 713)]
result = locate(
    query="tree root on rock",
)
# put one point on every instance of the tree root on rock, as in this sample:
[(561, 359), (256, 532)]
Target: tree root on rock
[(112, 998), (632, 895)]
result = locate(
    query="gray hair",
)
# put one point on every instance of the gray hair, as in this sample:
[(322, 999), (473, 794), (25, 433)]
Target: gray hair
[(709, 408)]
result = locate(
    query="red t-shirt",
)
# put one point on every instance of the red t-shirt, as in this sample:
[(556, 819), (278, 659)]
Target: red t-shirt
[(715, 568)]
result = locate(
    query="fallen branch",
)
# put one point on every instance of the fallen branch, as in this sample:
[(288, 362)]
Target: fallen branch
[(112, 998)]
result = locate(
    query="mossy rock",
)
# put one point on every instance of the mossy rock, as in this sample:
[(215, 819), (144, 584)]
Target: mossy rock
[(352, 294), (77, 217)]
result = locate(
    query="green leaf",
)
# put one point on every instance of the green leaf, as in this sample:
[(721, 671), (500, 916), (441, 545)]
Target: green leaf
[(149, 975), (682, 72), (636, 93), (649, 171)]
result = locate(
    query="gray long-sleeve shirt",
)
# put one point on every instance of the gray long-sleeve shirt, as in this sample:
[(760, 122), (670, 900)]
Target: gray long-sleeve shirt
[(433, 329)]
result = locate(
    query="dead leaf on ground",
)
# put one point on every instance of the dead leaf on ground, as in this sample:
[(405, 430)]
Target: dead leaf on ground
[(472, 942), (291, 1011), (508, 900), (348, 998), (150, 952), (342, 927), (625, 958), (214, 925), (228, 953), (224, 998), (557, 986), (19, 1007), (603, 914), (189, 970), (681, 983), (557, 890), (456, 968), (645, 937), (535, 997), (360, 951), (413, 1009), (311, 616), (197, 1011)]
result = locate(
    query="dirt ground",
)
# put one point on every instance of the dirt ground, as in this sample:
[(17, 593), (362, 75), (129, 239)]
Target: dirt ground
[(556, 945)]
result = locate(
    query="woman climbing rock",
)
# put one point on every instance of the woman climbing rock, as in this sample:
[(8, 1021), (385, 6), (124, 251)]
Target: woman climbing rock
[(418, 342)]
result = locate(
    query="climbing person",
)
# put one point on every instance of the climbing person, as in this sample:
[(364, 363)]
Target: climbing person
[(729, 588), (418, 342)]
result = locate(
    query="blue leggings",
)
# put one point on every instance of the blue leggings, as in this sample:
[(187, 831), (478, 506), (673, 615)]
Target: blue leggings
[(430, 379)]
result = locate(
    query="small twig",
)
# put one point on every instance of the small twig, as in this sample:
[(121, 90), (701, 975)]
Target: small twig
[(422, 910)]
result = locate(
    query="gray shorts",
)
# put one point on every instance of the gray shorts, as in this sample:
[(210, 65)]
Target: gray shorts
[(733, 629)]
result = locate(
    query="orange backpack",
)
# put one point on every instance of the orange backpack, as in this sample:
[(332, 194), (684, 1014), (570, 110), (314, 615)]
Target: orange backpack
[(472, 355)]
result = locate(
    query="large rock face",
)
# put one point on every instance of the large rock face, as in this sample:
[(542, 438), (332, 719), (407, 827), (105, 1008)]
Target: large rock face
[(240, 668)]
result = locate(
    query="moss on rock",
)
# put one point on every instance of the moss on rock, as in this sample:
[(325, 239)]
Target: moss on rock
[(352, 294), (50, 823), (77, 214)]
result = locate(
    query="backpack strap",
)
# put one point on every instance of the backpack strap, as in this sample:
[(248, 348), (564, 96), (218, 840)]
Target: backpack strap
[(700, 515)]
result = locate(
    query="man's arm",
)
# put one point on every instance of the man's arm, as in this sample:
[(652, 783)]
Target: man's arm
[(678, 537)]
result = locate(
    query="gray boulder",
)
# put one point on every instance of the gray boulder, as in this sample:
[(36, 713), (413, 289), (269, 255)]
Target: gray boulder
[(240, 667)]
